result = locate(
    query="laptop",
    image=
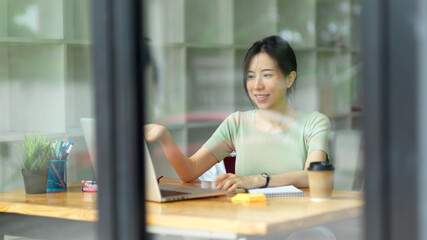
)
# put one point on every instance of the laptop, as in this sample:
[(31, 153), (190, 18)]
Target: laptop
[(153, 191), (166, 193)]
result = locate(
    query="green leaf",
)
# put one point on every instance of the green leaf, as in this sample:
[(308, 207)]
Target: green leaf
[(36, 152)]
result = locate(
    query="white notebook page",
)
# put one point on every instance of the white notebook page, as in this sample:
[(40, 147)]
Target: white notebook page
[(278, 191)]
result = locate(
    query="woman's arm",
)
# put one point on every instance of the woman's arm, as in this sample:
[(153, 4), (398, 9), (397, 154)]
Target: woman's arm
[(231, 182), (298, 178), (188, 169)]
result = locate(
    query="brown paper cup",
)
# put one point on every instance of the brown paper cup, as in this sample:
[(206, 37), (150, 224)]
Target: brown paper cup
[(320, 183)]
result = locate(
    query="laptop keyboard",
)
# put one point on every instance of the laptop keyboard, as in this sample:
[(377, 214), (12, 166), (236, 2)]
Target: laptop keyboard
[(168, 193)]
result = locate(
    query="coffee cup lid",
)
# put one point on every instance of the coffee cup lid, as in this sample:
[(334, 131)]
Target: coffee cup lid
[(320, 166)]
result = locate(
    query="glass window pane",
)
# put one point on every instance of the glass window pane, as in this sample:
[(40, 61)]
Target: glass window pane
[(195, 79), (46, 87)]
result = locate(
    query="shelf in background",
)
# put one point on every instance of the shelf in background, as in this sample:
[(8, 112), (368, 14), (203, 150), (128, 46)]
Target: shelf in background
[(12, 40), (245, 47), (19, 136), (78, 42), (18, 40)]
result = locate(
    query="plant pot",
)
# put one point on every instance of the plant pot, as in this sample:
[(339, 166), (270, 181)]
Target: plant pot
[(35, 181)]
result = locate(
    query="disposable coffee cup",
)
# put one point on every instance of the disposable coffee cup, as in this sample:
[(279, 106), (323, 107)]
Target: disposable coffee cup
[(320, 180)]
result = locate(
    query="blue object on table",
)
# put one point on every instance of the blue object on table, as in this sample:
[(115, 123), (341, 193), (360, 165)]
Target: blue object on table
[(57, 179)]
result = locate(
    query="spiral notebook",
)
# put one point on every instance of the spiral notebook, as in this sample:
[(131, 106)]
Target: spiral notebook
[(284, 191)]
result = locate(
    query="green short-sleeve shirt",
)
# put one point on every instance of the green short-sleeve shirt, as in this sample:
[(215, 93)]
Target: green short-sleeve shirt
[(258, 151)]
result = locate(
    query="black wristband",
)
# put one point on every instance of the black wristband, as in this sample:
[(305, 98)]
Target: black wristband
[(267, 179)]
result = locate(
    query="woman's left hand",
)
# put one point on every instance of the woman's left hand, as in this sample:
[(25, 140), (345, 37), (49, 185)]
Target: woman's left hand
[(230, 182)]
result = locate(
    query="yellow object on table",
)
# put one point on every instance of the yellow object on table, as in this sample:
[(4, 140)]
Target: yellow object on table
[(248, 198)]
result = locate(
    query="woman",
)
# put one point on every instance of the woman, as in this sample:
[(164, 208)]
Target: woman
[(274, 143)]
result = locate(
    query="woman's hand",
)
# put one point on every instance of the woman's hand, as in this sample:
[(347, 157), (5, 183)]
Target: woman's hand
[(153, 132), (230, 182)]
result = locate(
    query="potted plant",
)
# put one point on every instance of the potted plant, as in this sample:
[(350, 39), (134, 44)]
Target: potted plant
[(34, 162)]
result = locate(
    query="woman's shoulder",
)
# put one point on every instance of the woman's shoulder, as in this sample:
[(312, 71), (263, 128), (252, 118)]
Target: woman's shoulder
[(313, 118), (242, 115)]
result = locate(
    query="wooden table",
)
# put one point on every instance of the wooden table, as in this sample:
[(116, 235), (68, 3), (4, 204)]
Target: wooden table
[(60, 215), (211, 217), (219, 215)]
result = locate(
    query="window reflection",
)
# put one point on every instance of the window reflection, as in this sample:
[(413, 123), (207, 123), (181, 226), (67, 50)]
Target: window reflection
[(199, 46), (45, 80)]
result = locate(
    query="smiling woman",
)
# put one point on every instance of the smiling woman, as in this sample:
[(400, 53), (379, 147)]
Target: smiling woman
[(274, 143), (270, 75), (266, 84), (275, 60)]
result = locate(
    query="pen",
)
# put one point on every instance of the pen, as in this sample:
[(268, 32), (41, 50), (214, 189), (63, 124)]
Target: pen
[(63, 150), (59, 148), (68, 145), (69, 150), (53, 150)]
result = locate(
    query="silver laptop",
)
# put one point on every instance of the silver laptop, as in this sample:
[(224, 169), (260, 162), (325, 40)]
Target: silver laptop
[(153, 191), (165, 193)]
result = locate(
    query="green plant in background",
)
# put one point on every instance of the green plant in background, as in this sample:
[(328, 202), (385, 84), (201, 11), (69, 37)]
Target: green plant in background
[(36, 152)]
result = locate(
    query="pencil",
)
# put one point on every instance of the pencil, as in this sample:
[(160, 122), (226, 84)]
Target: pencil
[(57, 174)]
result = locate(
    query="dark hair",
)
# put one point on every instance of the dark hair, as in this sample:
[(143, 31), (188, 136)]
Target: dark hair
[(279, 50)]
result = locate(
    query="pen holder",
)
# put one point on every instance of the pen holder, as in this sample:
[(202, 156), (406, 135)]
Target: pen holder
[(57, 179)]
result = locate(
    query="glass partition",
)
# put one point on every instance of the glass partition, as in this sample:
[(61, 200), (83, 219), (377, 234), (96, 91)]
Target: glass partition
[(197, 50), (46, 83)]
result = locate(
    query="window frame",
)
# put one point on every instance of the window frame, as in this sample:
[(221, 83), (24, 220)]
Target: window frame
[(118, 72)]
